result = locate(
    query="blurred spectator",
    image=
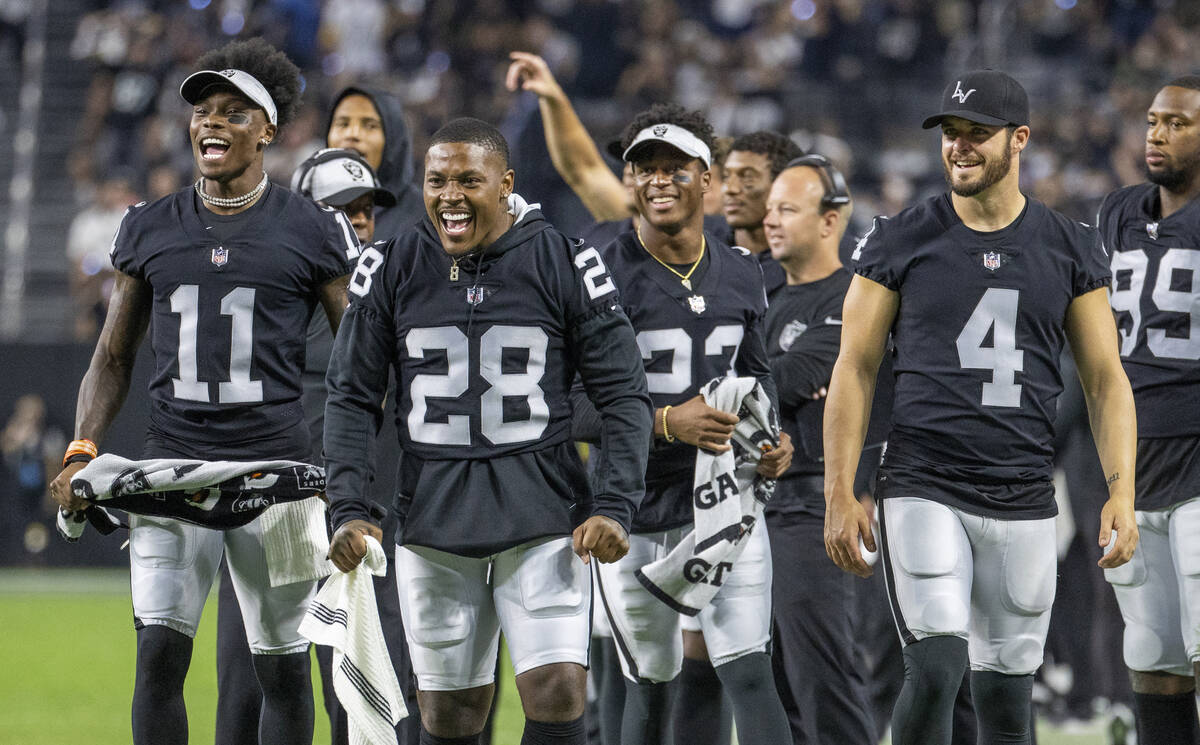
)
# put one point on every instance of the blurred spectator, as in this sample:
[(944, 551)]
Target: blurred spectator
[(31, 450), (89, 240)]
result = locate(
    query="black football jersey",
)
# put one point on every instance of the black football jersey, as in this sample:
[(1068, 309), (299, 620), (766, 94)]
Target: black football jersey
[(229, 317), (687, 338), (484, 364), (978, 334), (1156, 299)]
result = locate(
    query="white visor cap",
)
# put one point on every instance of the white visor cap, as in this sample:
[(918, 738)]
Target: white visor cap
[(675, 136), (198, 82)]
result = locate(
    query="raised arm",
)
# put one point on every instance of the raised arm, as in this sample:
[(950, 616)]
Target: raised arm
[(106, 382), (867, 317), (1093, 337), (572, 150)]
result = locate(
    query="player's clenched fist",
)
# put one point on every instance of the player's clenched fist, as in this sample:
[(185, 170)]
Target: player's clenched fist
[(699, 424), (601, 537), (61, 491), (349, 544), (774, 463)]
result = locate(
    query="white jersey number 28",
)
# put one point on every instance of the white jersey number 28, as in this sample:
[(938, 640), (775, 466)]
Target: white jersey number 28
[(455, 382), (996, 312)]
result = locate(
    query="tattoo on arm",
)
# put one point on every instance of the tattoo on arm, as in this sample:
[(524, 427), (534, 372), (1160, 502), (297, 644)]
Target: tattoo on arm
[(1112, 479)]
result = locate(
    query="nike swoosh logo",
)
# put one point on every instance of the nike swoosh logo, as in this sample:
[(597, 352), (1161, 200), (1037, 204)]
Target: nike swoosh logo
[(831, 321)]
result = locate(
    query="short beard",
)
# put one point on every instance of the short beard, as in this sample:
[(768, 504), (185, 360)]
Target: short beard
[(1176, 178), (993, 172)]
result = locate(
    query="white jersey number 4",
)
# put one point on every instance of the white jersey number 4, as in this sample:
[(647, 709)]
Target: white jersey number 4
[(996, 312)]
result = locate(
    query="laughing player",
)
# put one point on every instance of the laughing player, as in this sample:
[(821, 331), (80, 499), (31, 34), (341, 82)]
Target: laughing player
[(487, 313), (226, 274)]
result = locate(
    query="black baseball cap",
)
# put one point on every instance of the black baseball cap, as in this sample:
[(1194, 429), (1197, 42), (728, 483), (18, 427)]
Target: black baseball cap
[(984, 96)]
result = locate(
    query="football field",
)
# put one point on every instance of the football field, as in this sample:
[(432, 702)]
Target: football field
[(67, 647)]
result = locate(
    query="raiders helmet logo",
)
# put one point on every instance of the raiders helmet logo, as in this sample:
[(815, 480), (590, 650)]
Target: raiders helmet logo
[(787, 337), (660, 130), (229, 73), (354, 169)]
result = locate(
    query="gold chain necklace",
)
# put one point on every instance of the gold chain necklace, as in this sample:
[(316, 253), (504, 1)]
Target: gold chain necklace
[(684, 279), (454, 267)]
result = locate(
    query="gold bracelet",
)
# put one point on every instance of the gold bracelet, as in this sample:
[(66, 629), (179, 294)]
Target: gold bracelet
[(666, 433)]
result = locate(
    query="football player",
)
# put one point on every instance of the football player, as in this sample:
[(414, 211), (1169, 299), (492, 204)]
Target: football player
[(1152, 232), (753, 162), (487, 313), (807, 211), (372, 125), (979, 287), (697, 305), (226, 275)]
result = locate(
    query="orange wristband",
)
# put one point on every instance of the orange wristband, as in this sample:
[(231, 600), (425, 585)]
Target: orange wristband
[(80, 447)]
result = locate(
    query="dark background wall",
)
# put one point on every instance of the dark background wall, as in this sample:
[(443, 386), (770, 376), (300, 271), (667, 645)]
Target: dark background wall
[(53, 371)]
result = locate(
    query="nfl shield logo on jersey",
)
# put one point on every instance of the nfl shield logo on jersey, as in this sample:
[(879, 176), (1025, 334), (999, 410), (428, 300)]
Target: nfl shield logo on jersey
[(1152, 230), (475, 295), (696, 303), (220, 256), (991, 260)]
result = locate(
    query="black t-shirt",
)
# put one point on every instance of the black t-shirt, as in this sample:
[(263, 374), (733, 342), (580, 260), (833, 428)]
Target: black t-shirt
[(229, 317), (978, 335)]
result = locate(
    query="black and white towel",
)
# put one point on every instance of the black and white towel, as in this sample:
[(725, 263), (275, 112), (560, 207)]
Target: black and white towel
[(728, 497), (344, 616), (217, 494), (214, 494)]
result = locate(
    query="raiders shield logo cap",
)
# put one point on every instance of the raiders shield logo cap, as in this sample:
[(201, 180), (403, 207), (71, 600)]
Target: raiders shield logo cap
[(197, 83), (673, 135), (337, 177), (983, 96)]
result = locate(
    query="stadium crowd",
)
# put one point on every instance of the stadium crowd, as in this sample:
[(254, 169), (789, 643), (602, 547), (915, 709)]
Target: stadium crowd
[(846, 78)]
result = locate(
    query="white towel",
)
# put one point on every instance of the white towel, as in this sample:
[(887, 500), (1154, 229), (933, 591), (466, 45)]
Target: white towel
[(296, 541), (343, 615), (728, 498)]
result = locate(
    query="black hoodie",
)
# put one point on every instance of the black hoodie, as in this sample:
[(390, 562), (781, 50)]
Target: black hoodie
[(396, 169), (484, 364)]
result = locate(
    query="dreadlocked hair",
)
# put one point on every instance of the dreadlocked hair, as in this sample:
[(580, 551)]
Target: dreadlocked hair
[(270, 66), (670, 113)]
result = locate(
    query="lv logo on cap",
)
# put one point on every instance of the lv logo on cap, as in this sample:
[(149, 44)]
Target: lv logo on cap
[(958, 92)]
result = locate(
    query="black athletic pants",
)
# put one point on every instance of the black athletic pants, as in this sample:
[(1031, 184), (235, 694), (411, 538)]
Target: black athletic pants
[(817, 672)]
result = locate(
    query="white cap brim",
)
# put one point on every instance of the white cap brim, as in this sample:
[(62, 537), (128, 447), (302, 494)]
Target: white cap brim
[(194, 86), (675, 136)]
